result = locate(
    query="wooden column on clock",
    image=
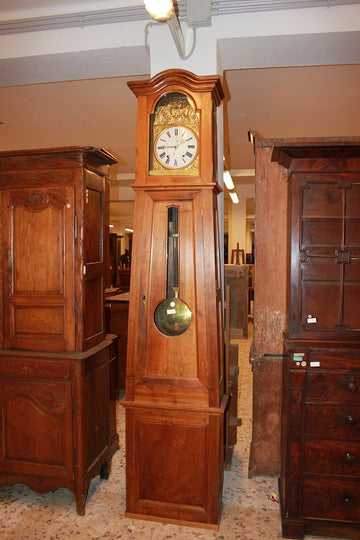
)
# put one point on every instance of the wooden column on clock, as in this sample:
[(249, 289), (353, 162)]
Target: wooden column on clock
[(174, 398), (320, 471), (57, 366)]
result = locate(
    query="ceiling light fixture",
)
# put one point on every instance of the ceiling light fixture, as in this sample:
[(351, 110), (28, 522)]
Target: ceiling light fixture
[(167, 11), (228, 181), (159, 10), (234, 197)]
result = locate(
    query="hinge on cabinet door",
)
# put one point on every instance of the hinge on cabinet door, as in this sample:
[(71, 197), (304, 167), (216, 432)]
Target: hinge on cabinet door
[(75, 227)]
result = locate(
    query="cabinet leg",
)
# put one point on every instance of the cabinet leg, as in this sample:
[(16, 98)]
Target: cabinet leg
[(80, 498), (105, 470)]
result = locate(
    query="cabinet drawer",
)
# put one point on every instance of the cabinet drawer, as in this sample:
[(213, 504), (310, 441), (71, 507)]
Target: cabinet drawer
[(333, 420), (331, 499), (340, 387), (332, 457)]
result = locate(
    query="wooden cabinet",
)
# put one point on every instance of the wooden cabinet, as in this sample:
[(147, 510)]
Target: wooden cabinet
[(53, 224), (237, 279), (117, 308), (56, 390), (321, 396), (321, 439), (58, 418)]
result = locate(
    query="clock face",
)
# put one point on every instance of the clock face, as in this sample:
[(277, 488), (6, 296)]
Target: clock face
[(176, 147)]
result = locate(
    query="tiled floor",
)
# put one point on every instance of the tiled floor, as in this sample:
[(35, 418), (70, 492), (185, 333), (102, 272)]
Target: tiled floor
[(248, 513)]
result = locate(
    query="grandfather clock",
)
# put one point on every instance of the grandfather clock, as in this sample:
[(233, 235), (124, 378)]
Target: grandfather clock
[(174, 397)]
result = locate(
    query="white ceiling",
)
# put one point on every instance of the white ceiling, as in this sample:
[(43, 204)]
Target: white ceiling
[(286, 101)]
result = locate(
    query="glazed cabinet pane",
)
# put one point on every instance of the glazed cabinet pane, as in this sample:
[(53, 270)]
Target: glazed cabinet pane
[(325, 255)]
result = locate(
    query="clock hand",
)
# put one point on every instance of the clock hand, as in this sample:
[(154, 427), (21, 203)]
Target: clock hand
[(166, 146)]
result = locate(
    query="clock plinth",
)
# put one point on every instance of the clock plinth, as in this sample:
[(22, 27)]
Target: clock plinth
[(175, 402)]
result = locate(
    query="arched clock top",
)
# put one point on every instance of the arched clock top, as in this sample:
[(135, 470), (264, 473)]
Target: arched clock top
[(179, 80)]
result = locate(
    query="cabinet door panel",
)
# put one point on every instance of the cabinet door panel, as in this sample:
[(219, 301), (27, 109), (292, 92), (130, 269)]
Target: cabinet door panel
[(320, 269), (324, 232), (353, 200), (39, 312), (36, 429), (352, 232), (321, 301), (325, 255), (43, 273), (351, 305), (93, 299), (96, 425), (322, 199)]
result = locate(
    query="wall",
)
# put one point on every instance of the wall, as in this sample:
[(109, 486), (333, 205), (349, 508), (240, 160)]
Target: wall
[(237, 225)]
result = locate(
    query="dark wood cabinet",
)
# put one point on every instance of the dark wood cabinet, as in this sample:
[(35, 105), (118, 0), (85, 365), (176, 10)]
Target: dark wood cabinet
[(320, 474), (237, 279), (57, 394), (321, 439), (117, 308)]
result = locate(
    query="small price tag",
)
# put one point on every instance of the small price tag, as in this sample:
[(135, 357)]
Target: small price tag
[(315, 364)]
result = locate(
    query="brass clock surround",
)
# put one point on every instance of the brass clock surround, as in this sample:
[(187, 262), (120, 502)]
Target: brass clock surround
[(174, 110)]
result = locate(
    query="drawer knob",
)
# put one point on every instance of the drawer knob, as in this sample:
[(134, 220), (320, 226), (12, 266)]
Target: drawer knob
[(349, 458), (345, 500), (352, 386), (351, 420)]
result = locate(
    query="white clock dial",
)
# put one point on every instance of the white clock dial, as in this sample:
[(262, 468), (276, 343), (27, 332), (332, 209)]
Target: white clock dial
[(176, 147)]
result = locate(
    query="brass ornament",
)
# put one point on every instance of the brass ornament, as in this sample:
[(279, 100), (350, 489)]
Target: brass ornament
[(172, 316), (175, 111)]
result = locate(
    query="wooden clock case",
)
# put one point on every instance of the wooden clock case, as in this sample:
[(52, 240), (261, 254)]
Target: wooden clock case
[(57, 365), (175, 400), (320, 471)]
